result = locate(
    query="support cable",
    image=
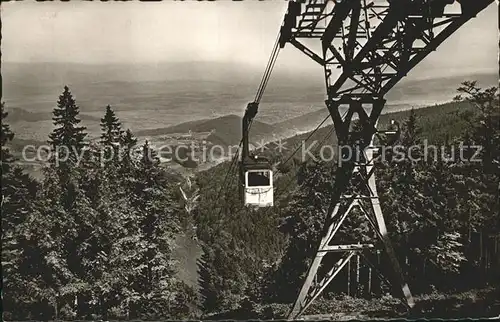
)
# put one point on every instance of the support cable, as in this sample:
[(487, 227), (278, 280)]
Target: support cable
[(319, 146), (258, 97), (268, 70)]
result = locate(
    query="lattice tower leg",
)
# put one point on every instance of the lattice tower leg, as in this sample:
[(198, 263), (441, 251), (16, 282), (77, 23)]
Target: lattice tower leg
[(356, 173)]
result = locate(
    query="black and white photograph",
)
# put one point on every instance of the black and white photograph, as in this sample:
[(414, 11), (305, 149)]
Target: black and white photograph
[(250, 160)]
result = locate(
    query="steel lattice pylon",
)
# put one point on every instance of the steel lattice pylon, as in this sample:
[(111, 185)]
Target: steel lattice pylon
[(373, 43)]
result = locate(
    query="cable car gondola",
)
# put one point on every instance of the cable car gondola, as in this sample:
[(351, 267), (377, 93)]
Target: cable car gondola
[(256, 175)]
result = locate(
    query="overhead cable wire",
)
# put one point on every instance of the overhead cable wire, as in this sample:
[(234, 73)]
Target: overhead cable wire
[(268, 70), (235, 157), (308, 137), (319, 146)]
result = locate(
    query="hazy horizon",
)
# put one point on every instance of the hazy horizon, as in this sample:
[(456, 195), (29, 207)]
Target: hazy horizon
[(139, 33), (164, 63)]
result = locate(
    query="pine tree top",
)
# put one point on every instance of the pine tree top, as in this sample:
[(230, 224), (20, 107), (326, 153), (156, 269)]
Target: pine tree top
[(65, 116), (66, 110), (6, 134), (110, 117), (149, 155), (129, 139), (110, 127)]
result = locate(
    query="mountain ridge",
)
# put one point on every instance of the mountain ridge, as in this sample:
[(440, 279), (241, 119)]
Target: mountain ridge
[(226, 130)]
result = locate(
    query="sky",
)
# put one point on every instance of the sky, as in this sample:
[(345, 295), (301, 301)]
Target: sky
[(170, 31)]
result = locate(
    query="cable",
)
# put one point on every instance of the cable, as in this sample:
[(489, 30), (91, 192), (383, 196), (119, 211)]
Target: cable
[(258, 96), (233, 162), (228, 171), (225, 195), (274, 57), (260, 91), (268, 70), (269, 76), (310, 135), (278, 195), (319, 146), (266, 74)]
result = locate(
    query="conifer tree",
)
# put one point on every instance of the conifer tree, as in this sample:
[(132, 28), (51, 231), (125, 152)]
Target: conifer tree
[(303, 227), (6, 136), (128, 142), (412, 131), (66, 208), (111, 128), (484, 131), (208, 280), (18, 192), (67, 135), (222, 273), (157, 216), (110, 145), (486, 122), (128, 139)]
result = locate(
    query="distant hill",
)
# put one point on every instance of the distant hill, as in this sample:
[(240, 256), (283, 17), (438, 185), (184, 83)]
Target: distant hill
[(425, 91), (310, 121), (19, 115), (304, 122), (179, 128), (227, 130), (450, 125), (416, 93), (158, 96)]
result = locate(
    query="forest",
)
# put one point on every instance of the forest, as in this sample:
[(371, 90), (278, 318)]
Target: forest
[(94, 239)]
